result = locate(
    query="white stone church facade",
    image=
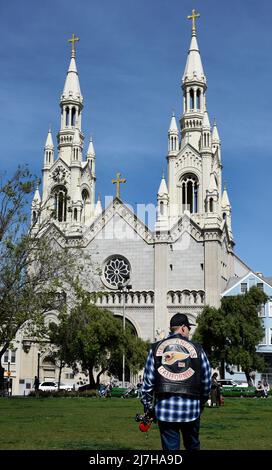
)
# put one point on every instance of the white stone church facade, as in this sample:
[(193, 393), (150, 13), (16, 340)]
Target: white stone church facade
[(185, 261)]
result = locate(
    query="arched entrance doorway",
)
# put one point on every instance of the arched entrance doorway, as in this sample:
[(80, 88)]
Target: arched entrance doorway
[(119, 367)]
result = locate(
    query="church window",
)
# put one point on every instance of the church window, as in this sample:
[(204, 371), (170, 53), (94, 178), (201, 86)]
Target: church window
[(211, 204), (85, 196), (224, 215), (198, 94), (75, 214), (85, 199), (161, 208), (116, 271), (34, 217), (60, 204), (189, 193), (73, 117), (67, 117), (192, 99)]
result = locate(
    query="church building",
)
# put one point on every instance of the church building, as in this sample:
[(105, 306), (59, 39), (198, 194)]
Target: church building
[(145, 273)]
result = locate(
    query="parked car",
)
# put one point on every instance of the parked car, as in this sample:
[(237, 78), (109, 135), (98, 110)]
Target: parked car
[(48, 386), (52, 386), (85, 387), (227, 383)]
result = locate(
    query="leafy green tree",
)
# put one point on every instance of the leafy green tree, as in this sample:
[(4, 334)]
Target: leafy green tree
[(231, 334), (94, 338), (32, 269), (211, 332)]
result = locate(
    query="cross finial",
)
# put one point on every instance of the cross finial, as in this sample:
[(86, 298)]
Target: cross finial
[(193, 17), (73, 40), (118, 181)]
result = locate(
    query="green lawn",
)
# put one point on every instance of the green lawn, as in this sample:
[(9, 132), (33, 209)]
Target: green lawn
[(108, 424)]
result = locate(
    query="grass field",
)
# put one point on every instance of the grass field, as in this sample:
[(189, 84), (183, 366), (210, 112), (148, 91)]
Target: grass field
[(108, 424)]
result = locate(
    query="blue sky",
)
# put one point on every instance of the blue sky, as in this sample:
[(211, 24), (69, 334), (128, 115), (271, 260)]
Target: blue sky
[(130, 59)]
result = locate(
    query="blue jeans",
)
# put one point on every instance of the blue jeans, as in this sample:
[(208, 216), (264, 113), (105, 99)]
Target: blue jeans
[(170, 435)]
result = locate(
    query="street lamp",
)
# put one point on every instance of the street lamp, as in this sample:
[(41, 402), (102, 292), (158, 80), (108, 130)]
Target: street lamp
[(124, 288), (38, 367), (9, 373)]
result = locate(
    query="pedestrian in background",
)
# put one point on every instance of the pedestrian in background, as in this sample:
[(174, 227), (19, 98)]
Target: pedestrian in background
[(36, 385)]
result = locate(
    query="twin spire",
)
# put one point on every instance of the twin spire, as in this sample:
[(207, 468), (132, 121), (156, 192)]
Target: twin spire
[(194, 69), (72, 87)]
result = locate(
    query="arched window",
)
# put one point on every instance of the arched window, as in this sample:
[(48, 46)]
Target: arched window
[(85, 196), (85, 199), (224, 215), (189, 193), (161, 208), (34, 217), (67, 116), (192, 104), (60, 203), (211, 204), (198, 95), (75, 214), (73, 117)]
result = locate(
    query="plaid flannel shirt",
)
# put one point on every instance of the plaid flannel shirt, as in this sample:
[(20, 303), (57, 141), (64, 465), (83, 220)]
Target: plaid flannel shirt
[(175, 408)]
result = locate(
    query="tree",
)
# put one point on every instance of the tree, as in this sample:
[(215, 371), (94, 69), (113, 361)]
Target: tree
[(231, 334), (94, 338), (211, 332), (32, 268)]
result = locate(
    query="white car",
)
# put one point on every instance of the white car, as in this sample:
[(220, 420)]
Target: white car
[(53, 386), (227, 383)]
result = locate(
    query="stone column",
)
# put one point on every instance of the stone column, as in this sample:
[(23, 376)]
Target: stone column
[(161, 317)]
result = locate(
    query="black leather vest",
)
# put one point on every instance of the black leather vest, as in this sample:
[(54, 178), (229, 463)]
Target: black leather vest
[(177, 366)]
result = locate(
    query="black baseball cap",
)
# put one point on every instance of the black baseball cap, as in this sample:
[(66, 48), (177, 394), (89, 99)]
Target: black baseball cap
[(180, 319)]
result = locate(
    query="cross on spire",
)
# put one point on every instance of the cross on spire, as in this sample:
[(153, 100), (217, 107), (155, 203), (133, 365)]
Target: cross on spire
[(118, 181), (73, 40), (193, 17)]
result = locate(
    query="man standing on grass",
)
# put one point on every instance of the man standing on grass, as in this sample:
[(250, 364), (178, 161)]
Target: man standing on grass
[(178, 373)]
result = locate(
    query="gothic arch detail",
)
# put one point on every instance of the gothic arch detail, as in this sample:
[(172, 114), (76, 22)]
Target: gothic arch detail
[(60, 203), (189, 192)]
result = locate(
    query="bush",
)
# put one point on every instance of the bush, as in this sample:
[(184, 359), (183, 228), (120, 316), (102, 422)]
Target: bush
[(88, 393), (238, 391), (56, 394)]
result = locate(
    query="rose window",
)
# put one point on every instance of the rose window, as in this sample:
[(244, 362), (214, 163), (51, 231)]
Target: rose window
[(116, 271)]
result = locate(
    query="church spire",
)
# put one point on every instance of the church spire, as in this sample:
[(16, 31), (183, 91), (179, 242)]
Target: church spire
[(194, 69), (49, 150), (226, 210), (36, 206), (71, 103), (216, 142), (162, 223), (173, 137), (194, 88)]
